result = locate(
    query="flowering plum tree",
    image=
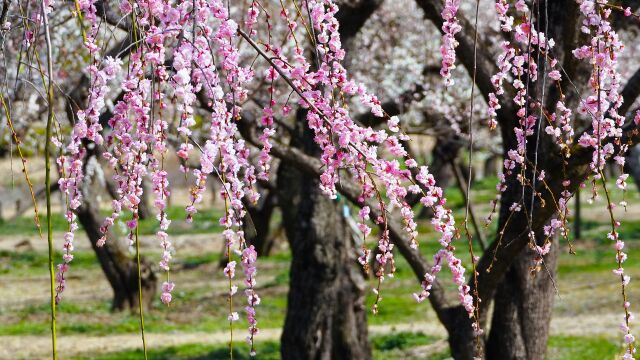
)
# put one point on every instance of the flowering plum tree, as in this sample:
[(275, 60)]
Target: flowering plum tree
[(229, 87)]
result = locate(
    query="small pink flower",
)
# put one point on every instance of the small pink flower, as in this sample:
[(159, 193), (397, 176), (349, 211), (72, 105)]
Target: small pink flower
[(233, 316), (165, 298), (555, 75)]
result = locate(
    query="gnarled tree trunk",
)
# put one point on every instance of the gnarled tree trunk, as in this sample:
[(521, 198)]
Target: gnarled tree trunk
[(326, 313), (522, 310)]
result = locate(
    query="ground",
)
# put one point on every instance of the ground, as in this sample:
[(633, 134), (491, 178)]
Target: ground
[(585, 324)]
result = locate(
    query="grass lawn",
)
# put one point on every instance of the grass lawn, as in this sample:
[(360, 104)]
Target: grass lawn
[(200, 304), (393, 346)]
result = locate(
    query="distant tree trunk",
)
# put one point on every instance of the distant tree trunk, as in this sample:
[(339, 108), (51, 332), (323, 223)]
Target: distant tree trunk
[(444, 152), (145, 211), (491, 166), (577, 222), (117, 264), (632, 165), (326, 313), (257, 229)]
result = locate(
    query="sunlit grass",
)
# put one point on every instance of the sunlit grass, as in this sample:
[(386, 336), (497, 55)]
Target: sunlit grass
[(581, 347), (204, 221), (390, 346)]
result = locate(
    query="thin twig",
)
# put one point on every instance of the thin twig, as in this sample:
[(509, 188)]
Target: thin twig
[(47, 155)]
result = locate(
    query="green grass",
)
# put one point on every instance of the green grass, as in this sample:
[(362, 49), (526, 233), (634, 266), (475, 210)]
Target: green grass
[(397, 305), (580, 348), (94, 317), (266, 351), (25, 225), (28, 262), (598, 230), (384, 347), (117, 324), (600, 259), (401, 340), (389, 346), (204, 221)]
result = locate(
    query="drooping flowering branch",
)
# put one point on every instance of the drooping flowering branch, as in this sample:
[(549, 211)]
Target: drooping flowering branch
[(602, 105)]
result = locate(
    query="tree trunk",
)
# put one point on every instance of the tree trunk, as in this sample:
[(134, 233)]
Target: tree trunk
[(632, 165), (118, 266), (256, 226), (257, 231), (326, 312), (523, 304), (461, 338), (444, 152), (522, 310), (145, 210), (491, 166)]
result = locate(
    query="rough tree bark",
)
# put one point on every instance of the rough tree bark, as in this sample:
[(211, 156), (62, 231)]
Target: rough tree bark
[(326, 312)]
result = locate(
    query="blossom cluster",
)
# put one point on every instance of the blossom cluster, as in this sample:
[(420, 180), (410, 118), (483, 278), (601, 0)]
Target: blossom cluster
[(450, 27), (443, 222)]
